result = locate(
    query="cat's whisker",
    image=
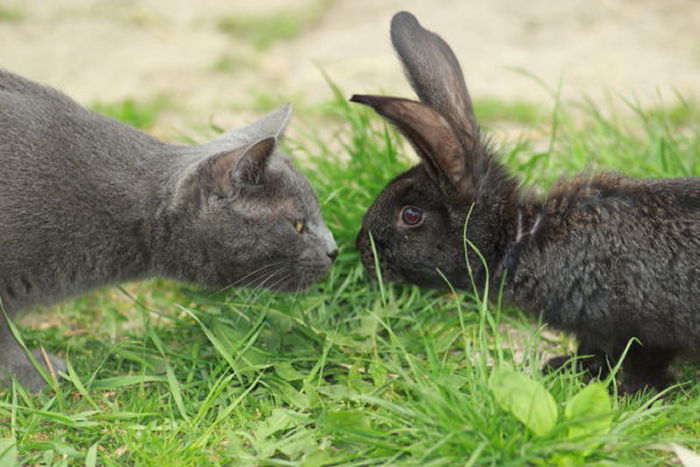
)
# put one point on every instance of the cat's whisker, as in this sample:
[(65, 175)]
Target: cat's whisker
[(270, 282), (259, 287), (288, 278), (240, 281), (264, 284), (279, 281)]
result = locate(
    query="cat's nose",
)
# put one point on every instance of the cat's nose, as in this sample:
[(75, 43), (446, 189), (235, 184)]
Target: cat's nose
[(332, 254)]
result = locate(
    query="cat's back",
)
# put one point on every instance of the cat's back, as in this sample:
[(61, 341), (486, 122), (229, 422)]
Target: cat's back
[(13, 83), (40, 146), (32, 117), (46, 136), (23, 100)]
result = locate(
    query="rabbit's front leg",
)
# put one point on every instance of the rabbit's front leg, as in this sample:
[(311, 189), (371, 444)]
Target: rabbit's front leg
[(588, 358), (646, 367)]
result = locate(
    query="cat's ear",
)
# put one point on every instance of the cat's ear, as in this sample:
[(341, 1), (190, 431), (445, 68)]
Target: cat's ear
[(250, 167), (429, 133), (226, 171), (272, 124)]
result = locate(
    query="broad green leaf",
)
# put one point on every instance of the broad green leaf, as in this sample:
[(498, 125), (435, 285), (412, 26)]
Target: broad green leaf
[(563, 459), (592, 408), (277, 421), (348, 421), (91, 456), (525, 398), (295, 445), (8, 452), (287, 372), (289, 394), (58, 447)]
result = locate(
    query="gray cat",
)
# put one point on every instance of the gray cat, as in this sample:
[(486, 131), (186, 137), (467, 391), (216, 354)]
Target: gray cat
[(87, 201)]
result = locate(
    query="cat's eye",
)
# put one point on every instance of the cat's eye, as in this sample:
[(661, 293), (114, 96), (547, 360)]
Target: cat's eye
[(411, 216), (298, 226)]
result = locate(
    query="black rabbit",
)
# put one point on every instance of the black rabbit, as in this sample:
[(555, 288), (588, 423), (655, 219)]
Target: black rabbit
[(605, 257)]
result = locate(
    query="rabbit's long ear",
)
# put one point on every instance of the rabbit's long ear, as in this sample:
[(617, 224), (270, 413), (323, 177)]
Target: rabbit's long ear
[(430, 134), (435, 74)]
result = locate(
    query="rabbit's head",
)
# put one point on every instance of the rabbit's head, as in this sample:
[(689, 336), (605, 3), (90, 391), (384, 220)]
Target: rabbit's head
[(422, 222)]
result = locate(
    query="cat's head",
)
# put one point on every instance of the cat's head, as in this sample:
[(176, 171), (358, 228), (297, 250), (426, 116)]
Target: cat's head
[(246, 217), (417, 223)]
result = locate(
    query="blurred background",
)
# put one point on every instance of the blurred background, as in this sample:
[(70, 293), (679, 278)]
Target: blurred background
[(182, 63)]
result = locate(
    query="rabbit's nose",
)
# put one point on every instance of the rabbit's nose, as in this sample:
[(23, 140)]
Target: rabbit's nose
[(333, 254), (360, 240)]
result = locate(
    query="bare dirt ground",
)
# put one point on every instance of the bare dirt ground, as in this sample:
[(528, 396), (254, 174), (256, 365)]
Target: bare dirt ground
[(107, 50)]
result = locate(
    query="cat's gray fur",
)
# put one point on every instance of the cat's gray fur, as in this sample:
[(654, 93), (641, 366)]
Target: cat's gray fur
[(87, 201)]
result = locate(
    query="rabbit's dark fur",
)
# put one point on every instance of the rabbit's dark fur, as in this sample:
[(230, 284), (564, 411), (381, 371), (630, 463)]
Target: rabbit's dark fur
[(605, 257)]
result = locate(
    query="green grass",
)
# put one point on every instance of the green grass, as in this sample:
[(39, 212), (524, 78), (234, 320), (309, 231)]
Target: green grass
[(233, 63), (11, 13), (139, 114), (261, 31), (349, 373), (494, 110)]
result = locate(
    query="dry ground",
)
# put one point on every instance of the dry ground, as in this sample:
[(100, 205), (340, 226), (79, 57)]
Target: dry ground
[(107, 50)]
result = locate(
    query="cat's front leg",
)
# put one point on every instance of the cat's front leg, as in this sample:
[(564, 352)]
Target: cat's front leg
[(14, 362)]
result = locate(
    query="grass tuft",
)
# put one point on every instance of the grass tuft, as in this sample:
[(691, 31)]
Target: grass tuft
[(11, 14), (493, 110), (350, 373), (261, 31), (141, 115)]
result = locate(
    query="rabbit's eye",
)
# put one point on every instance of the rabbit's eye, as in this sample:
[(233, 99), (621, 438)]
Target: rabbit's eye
[(411, 216)]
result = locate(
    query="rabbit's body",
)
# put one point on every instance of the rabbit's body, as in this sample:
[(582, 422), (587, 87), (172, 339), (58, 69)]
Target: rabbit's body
[(611, 258), (603, 256)]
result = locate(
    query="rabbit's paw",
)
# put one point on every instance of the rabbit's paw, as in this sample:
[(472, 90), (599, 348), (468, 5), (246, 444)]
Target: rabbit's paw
[(594, 365)]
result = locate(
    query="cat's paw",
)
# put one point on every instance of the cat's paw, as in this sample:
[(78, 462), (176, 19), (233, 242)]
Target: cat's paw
[(18, 366)]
